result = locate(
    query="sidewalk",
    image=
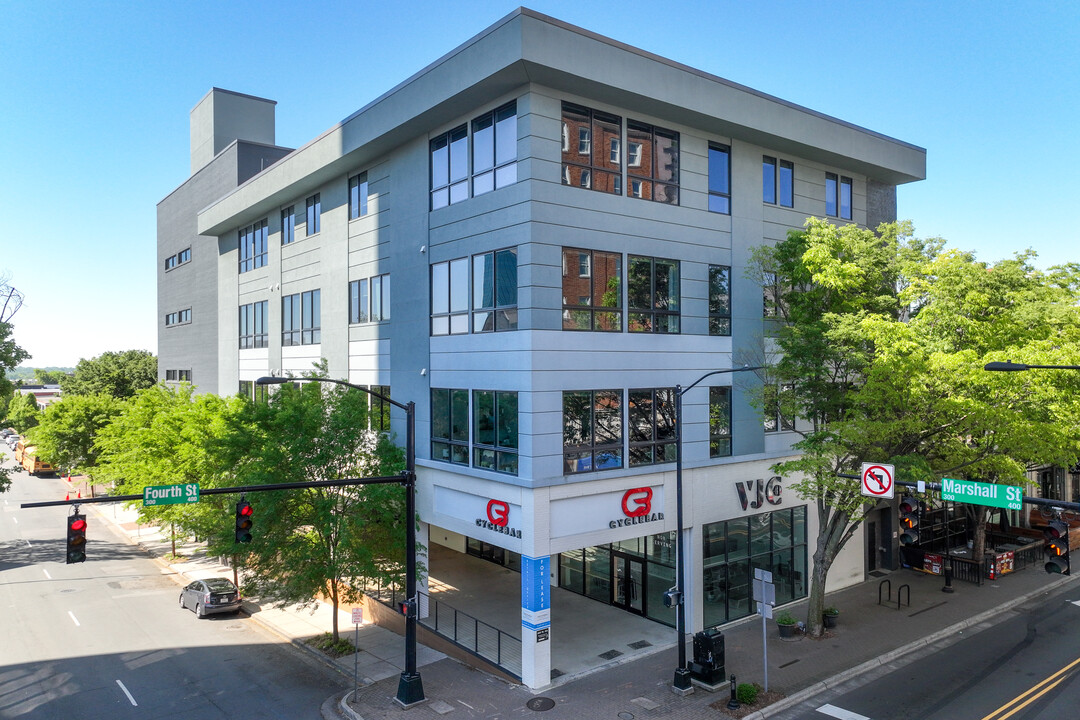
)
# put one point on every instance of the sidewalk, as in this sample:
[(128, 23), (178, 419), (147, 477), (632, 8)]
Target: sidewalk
[(868, 635)]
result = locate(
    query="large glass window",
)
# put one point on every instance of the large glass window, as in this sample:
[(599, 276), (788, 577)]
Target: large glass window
[(768, 179), (358, 196), (786, 183), (733, 549), (719, 422), (592, 294), (314, 214), (450, 167), (495, 149), (369, 299), (652, 163), (830, 194), (450, 425), (651, 426), (300, 319), (288, 225), (777, 181), (845, 198), (253, 325), (719, 300), (252, 246), (495, 291), (450, 297), (591, 149), (652, 295), (719, 179), (495, 431), (592, 430)]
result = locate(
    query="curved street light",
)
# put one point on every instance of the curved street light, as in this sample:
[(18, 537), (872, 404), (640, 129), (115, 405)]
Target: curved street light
[(410, 687), (1015, 367), (682, 683)]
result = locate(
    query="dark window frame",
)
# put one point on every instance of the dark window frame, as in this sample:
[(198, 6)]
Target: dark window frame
[(720, 301), (605, 455), (492, 308), (450, 435), (503, 449), (720, 428), (254, 325), (598, 314), (252, 244), (301, 321), (832, 194), (663, 315), (358, 195), (450, 315), (595, 173), (650, 426), (650, 176), (720, 187), (313, 215), (845, 206), (288, 225), (363, 307)]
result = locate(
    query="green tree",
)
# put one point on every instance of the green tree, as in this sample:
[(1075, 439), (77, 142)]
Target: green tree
[(68, 431), (326, 542), (120, 374), (23, 412), (882, 340), (48, 377)]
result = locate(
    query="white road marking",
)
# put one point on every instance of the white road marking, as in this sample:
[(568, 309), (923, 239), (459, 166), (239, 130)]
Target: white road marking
[(841, 713), (127, 693), (14, 519), (74, 619), (1075, 602), (46, 573)]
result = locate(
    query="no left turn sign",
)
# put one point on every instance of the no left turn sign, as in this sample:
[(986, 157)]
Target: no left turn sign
[(877, 480)]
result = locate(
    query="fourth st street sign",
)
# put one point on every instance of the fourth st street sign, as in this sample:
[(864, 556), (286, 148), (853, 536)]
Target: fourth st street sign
[(977, 493), (170, 494)]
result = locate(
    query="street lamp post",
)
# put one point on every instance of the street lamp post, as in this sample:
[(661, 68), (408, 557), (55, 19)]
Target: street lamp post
[(1016, 367), (682, 684), (410, 686)]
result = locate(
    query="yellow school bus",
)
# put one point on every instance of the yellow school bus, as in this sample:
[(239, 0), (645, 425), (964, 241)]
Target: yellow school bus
[(26, 455)]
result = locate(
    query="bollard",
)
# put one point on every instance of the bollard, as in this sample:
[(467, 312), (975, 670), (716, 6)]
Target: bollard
[(948, 577), (733, 703)]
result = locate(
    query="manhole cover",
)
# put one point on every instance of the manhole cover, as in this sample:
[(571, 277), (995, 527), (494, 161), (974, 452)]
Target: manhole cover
[(626, 716), (541, 703)]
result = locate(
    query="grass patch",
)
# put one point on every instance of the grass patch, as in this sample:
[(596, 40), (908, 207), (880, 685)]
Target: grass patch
[(326, 644), (169, 557)]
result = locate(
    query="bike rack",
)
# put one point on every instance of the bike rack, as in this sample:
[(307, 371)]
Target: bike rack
[(900, 590), (888, 593)]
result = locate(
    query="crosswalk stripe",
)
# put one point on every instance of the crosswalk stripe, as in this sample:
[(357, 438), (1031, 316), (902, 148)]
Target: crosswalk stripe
[(840, 713)]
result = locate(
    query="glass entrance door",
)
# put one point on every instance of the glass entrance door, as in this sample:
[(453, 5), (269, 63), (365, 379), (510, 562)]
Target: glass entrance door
[(628, 588)]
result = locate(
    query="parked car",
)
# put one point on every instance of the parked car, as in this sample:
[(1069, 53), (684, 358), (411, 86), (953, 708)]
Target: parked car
[(210, 596)]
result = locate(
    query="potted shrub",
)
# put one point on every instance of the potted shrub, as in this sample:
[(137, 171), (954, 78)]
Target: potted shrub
[(829, 616), (785, 622)]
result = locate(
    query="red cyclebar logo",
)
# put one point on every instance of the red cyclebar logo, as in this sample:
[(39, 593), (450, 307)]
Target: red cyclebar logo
[(637, 507), (498, 519)]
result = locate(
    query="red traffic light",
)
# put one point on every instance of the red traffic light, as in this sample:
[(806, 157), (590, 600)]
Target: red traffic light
[(244, 509), (78, 524)]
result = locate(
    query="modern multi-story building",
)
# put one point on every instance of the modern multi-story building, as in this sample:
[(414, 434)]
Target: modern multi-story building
[(536, 238)]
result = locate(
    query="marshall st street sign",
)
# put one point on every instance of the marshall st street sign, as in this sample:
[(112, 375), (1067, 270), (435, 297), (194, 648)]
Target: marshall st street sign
[(977, 493)]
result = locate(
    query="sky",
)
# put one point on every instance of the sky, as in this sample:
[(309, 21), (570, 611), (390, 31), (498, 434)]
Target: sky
[(95, 100)]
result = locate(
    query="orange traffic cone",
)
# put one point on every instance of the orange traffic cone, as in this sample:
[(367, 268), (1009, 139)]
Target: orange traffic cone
[(69, 477), (80, 493), (67, 497)]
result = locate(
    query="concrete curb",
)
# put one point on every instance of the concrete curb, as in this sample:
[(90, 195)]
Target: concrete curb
[(893, 655)]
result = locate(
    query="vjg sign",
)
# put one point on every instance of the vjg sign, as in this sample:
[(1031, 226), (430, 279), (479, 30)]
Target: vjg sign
[(170, 494), (977, 493)]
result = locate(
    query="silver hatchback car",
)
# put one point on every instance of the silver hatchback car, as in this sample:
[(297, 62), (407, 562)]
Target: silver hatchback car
[(210, 596)]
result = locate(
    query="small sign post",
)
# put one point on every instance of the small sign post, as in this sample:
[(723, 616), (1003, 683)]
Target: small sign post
[(765, 595), (358, 619)]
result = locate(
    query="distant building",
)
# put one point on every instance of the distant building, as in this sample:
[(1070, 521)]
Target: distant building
[(44, 395), (536, 238)]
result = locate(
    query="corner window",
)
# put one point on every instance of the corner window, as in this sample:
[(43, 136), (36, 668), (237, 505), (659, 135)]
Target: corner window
[(252, 246), (369, 299), (450, 297), (495, 431), (592, 290), (652, 163), (288, 225), (845, 198), (719, 422), (719, 179), (450, 168), (592, 430), (719, 300), (652, 295), (358, 196), (253, 325), (593, 160), (495, 291), (314, 214), (450, 426), (495, 149), (651, 426), (300, 319)]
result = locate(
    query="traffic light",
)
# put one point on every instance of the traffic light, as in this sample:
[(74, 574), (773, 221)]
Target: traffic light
[(76, 538), (244, 512), (408, 607), (909, 521), (1057, 546)]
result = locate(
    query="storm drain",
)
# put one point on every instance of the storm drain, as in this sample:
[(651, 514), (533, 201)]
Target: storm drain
[(540, 704), (610, 654), (640, 644)]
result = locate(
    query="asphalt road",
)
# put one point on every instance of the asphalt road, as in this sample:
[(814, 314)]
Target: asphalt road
[(107, 639), (1022, 666)]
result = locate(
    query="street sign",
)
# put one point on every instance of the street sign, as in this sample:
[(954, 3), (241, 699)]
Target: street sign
[(170, 494), (977, 493), (877, 480), (358, 616)]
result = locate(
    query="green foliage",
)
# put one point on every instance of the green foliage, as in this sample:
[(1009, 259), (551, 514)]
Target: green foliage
[(785, 618), (747, 693), (23, 412), (68, 430), (119, 374), (334, 647), (44, 376)]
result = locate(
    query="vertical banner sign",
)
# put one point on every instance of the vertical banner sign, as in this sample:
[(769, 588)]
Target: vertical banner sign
[(536, 595)]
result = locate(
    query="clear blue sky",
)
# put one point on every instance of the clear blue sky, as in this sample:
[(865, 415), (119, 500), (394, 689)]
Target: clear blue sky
[(94, 103)]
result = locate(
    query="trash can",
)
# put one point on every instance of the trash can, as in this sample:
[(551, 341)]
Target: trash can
[(708, 664)]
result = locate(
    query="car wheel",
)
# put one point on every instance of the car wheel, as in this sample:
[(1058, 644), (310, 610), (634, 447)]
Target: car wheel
[(182, 601), (199, 611)]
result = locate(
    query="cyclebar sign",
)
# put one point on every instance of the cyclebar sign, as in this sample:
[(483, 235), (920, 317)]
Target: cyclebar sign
[(498, 519), (977, 493), (637, 507)]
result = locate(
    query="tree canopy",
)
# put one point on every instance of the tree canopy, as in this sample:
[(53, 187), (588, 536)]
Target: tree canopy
[(67, 433), (881, 342), (120, 374)]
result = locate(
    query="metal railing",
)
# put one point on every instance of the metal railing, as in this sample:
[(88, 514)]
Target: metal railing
[(971, 571), (467, 632)]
